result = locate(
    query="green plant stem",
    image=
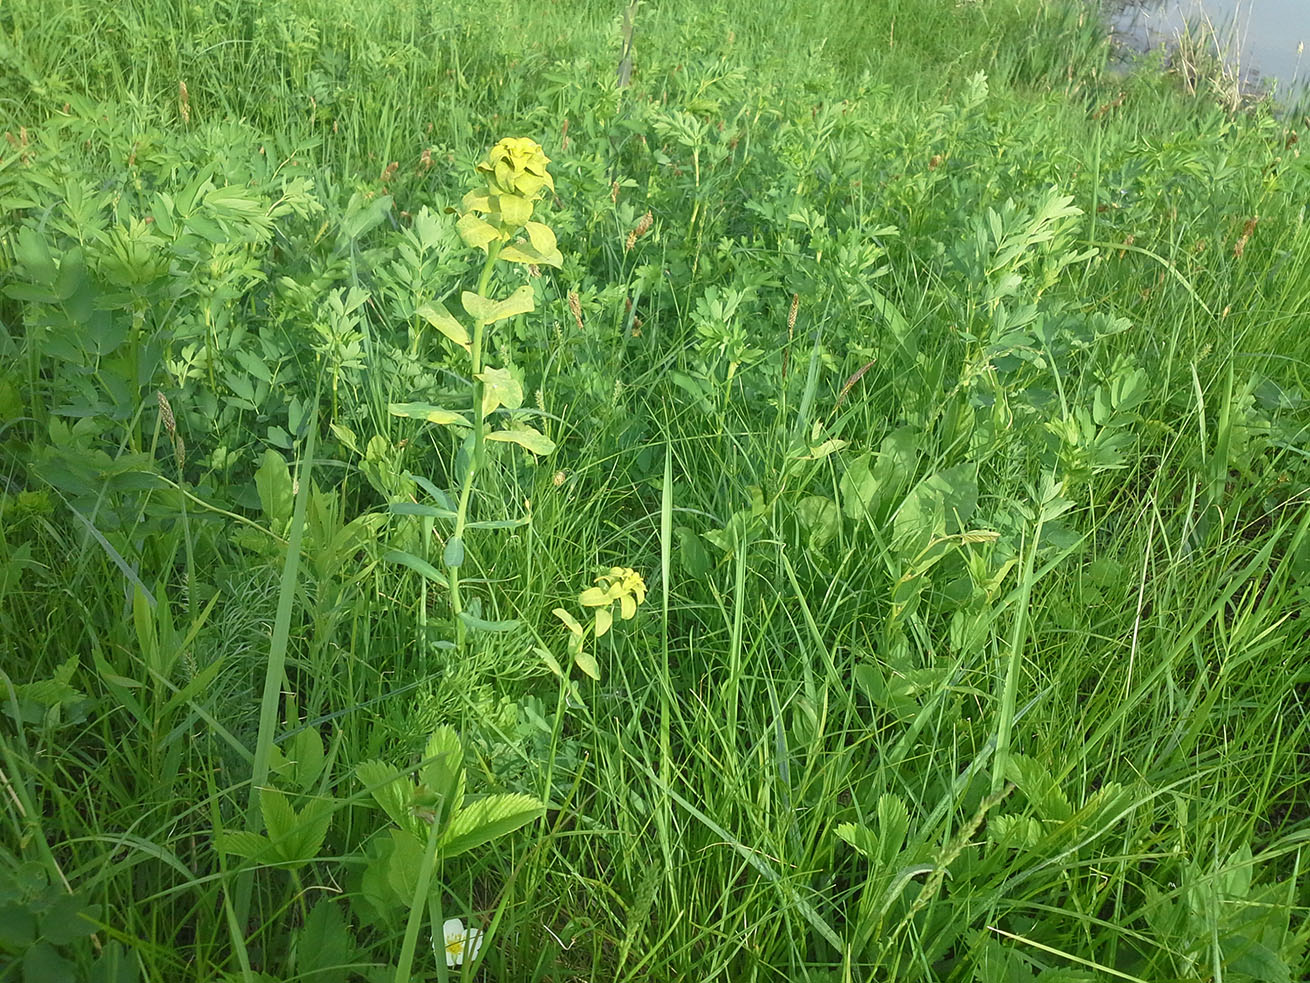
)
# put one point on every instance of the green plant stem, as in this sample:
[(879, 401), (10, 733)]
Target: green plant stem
[(417, 908), (475, 459)]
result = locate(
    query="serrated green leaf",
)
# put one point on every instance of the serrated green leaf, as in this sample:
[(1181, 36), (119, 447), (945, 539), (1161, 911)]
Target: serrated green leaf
[(859, 836), (428, 412), (487, 819), (445, 322), (391, 791), (324, 945), (279, 817), (312, 824), (240, 843), (441, 776), (526, 437)]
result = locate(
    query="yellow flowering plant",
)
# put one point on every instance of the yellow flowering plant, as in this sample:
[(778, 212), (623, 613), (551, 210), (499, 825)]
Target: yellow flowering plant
[(622, 586), (497, 218)]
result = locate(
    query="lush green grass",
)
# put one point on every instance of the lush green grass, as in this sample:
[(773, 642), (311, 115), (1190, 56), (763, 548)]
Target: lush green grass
[(952, 404)]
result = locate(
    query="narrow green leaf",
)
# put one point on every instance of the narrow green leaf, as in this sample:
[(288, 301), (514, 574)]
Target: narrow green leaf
[(481, 624), (497, 524), (418, 565), (417, 508), (428, 412)]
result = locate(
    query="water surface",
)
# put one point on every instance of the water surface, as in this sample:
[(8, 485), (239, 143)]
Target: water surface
[(1266, 37)]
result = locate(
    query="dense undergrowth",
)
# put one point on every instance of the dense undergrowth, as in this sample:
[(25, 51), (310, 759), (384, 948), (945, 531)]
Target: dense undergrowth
[(946, 390)]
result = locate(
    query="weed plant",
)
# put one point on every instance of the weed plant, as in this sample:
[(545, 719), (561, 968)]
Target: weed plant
[(942, 395)]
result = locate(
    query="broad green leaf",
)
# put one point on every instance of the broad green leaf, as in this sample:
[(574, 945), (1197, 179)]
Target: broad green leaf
[(691, 555), (587, 663), (497, 524), (485, 820), (893, 824), (428, 412), (70, 918), (441, 319), (488, 311), (549, 659), (514, 210), (418, 565), (825, 449), (858, 488), (405, 861), (306, 757), (898, 457), (819, 517), (604, 618), (569, 621), (453, 555), (273, 483), (540, 248), (476, 233), (526, 437), (499, 388)]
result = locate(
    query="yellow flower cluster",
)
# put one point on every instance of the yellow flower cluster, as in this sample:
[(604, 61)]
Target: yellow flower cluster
[(514, 175), (621, 583)]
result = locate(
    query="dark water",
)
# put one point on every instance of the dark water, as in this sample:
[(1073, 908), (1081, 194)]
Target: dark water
[(1266, 38)]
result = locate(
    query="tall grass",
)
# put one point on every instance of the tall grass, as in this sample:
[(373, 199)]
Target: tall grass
[(975, 520)]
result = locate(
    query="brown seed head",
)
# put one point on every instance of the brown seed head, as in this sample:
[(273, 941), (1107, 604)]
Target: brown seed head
[(166, 413)]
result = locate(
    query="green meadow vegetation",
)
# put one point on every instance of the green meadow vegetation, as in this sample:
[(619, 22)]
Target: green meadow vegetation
[(811, 490)]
